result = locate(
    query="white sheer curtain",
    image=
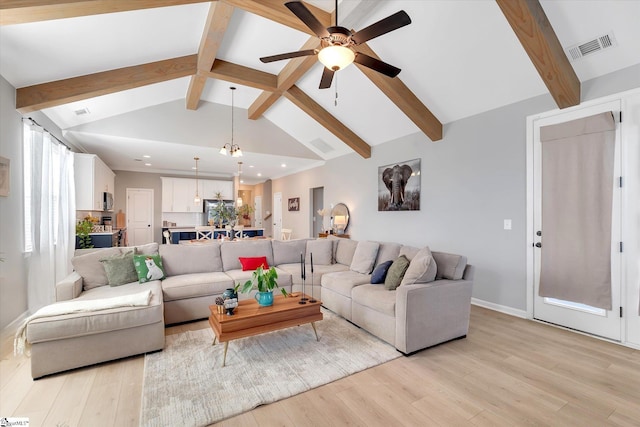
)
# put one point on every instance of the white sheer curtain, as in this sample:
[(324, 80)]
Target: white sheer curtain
[(49, 213)]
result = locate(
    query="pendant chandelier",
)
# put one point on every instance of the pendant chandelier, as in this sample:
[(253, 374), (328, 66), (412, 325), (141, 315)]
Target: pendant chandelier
[(231, 148), (197, 199)]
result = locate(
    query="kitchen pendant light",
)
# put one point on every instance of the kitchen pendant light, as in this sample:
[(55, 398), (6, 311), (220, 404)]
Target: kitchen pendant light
[(197, 200), (231, 148)]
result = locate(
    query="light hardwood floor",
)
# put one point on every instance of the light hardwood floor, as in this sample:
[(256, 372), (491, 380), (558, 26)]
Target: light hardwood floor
[(507, 372)]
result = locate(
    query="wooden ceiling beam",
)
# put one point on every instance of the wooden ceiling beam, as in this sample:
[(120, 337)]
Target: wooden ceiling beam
[(539, 40), (45, 95), (242, 75), (275, 10), (23, 11), (212, 36), (403, 98), (290, 74), (333, 125), (262, 103)]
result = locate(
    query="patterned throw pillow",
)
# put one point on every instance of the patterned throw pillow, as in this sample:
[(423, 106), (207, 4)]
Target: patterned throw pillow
[(148, 267), (120, 269), (396, 273)]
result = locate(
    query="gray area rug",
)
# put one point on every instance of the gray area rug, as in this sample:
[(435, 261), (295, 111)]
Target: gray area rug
[(185, 384)]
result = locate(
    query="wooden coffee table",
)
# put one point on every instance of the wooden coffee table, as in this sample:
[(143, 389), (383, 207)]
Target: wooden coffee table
[(250, 319)]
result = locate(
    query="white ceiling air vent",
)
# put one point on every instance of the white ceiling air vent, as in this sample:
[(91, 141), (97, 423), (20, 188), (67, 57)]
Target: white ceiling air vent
[(590, 47), (82, 111), (321, 145)]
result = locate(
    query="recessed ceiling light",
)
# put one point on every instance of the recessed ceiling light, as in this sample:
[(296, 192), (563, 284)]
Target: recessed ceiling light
[(284, 165), (241, 181), (251, 166), (146, 156), (193, 167), (147, 164), (259, 174)]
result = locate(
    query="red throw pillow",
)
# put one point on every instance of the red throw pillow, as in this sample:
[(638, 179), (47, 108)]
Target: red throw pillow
[(252, 263)]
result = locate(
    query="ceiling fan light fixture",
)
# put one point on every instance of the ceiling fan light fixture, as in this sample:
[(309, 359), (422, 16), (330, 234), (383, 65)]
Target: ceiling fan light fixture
[(336, 57)]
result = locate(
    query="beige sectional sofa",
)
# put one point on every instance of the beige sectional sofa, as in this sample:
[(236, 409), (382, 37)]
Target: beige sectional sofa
[(412, 317)]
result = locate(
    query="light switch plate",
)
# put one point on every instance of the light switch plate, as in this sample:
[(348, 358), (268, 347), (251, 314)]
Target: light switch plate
[(507, 224)]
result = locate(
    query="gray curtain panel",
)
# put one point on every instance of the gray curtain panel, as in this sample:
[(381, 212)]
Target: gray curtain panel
[(577, 196)]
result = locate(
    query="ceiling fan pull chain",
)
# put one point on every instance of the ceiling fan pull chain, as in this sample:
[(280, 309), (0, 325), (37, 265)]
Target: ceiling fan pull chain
[(335, 101)]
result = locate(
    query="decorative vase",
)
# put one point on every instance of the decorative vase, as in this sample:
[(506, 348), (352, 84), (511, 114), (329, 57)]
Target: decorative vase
[(230, 300), (264, 299)]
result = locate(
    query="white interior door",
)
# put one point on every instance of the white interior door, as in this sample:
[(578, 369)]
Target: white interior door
[(139, 216), (277, 216), (596, 321), (257, 206)]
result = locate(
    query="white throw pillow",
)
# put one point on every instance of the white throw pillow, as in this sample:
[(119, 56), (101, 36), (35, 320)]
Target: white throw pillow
[(322, 250), (364, 257), (422, 268)]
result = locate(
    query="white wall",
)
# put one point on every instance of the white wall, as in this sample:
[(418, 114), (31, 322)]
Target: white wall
[(13, 276), (472, 180)]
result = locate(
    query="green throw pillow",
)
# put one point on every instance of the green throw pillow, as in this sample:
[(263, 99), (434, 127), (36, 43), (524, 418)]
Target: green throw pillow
[(396, 273), (149, 267), (119, 269)]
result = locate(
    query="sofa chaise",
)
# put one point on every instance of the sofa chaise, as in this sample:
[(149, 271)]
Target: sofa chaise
[(428, 308)]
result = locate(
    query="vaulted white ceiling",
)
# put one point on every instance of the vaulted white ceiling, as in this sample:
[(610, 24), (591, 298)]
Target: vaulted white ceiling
[(460, 58)]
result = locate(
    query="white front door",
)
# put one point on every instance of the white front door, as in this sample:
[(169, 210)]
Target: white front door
[(592, 320), (277, 216), (139, 216)]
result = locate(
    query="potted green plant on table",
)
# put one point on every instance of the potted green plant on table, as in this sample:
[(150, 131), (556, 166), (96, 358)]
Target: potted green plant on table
[(83, 228), (265, 282), (245, 210)]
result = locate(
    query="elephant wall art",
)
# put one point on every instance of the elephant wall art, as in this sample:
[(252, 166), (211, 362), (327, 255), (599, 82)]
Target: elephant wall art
[(399, 186)]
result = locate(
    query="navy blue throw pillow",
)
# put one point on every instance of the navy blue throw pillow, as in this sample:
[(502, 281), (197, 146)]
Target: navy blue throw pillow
[(380, 272)]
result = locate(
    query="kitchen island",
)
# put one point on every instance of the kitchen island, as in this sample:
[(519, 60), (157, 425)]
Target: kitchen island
[(189, 233), (104, 239)]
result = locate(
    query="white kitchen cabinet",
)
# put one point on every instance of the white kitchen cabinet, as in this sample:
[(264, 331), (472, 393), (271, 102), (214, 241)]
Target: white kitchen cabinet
[(92, 178), (211, 187), (178, 193), (167, 194), (184, 191)]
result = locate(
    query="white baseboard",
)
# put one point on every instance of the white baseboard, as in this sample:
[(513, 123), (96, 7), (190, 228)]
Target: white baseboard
[(11, 328), (501, 308)]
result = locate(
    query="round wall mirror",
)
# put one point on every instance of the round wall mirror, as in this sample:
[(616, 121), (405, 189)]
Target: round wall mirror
[(339, 218)]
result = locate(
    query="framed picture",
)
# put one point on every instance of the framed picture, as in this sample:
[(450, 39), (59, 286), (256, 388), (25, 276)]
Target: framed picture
[(294, 204), (4, 176), (399, 186)]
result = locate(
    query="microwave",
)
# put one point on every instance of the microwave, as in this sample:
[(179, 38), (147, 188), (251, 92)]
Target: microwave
[(108, 201)]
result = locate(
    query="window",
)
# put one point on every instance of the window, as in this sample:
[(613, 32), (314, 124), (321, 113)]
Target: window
[(41, 154), (27, 159)]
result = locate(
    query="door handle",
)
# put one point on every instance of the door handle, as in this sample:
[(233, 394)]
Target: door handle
[(538, 245), (538, 233)]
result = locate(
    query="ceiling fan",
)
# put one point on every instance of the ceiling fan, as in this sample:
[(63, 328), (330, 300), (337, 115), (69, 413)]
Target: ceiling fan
[(337, 43)]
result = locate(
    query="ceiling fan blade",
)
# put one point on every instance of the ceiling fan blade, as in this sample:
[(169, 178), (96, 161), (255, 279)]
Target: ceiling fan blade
[(305, 15), (384, 26), (327, 78), (376, 65), (288, 55)]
